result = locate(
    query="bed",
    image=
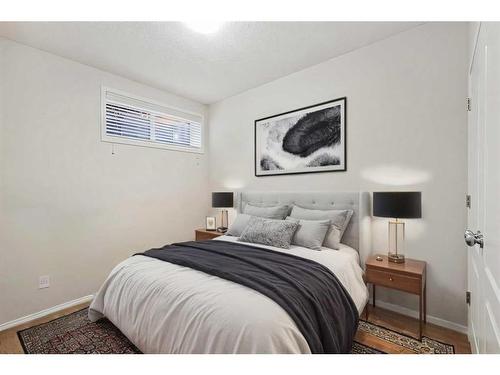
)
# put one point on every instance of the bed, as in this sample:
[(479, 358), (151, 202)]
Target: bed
[(167, 308)]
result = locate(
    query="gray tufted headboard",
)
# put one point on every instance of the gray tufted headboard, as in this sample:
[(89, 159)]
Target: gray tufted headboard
[(357, 234)]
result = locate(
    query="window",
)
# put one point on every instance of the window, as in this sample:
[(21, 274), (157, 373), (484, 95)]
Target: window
[(137, 121)]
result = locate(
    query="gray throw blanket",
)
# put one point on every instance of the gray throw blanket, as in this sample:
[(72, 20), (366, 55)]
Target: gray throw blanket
[(309, 292)]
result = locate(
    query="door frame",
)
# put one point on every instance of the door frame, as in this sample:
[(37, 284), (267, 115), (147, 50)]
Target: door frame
[(470, 332)]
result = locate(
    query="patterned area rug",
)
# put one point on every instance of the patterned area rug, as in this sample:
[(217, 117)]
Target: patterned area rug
[(426, 346), (75, 334), (358, 348)]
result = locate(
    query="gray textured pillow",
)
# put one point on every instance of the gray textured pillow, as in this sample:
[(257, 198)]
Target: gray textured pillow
[(278, 233), (273, 212), (339, 220), (310, 233), (239, 225)]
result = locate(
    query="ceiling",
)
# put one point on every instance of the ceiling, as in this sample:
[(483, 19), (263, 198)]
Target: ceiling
[(205, 68)]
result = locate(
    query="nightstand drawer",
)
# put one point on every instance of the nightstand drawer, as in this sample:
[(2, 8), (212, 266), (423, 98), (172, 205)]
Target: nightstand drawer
[(394, 281)]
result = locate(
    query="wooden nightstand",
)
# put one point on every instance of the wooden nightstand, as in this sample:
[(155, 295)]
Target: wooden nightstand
[(203, 234), (408, 277)]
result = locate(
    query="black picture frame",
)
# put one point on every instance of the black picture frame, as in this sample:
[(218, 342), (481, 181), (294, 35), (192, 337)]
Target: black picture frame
[(343, 102)]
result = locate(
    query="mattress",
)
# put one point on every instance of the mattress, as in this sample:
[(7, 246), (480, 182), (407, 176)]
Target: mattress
[(166, 308)]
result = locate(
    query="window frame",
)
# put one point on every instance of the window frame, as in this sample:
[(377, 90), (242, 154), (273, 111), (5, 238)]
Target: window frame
[(144, 143)]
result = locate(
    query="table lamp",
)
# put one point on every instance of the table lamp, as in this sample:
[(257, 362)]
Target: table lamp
[(222, 200), (397, 205)]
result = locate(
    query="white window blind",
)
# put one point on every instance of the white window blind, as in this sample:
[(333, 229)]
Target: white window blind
[(132, 120)]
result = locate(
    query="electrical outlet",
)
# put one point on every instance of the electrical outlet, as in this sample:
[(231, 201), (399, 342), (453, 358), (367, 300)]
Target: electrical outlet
[(44, 282)]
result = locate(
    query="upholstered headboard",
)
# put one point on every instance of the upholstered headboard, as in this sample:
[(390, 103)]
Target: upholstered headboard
[(357, 234)]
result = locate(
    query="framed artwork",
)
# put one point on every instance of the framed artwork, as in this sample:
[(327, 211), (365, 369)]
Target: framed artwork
[(210, 223), (306, 140)]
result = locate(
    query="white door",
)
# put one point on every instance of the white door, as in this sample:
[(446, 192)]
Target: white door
[(484, 189)]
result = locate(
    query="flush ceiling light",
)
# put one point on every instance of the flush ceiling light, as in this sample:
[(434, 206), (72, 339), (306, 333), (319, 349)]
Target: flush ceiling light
[(204, 26)]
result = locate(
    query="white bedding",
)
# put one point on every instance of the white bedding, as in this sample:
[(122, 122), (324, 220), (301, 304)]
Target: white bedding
[(166, 308)]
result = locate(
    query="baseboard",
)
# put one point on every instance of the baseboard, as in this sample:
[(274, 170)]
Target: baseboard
[(414, 314), (385, 305), (41, 314)]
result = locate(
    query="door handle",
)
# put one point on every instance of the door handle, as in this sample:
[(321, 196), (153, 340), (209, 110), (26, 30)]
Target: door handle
[(472, 238)]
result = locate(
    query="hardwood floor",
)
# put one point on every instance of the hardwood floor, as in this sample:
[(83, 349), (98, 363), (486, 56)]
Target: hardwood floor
[(9, 343), (408, 326)]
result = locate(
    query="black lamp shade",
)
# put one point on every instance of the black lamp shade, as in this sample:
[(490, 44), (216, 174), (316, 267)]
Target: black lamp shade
[(222, 199), (398, 205)]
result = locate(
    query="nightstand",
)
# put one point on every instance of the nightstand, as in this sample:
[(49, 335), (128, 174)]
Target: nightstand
[(203, 234), (408, 277)]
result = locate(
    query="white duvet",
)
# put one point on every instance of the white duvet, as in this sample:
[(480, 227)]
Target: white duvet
[(166, 308)]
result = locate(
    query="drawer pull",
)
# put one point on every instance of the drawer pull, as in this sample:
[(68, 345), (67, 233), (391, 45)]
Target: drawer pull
[(390, 278)]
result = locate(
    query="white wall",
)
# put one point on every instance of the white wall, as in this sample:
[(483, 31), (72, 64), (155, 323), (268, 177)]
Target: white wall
[(69, 208), (406, 129)]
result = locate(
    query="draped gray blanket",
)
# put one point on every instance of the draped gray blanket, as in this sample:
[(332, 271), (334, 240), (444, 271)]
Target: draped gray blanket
[(308, 291)]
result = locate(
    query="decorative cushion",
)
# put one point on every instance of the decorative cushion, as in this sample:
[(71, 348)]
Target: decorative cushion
[(272, 212), (310, 233), (339, 219), (278, 233), (240, 223), (332, 238)]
